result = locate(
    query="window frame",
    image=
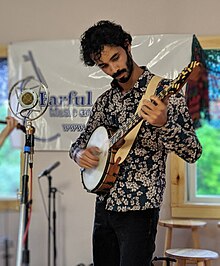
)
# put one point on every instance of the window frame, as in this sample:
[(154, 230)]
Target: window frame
[(180, 207)]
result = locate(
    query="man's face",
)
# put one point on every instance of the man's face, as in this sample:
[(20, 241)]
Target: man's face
[(116, 62)]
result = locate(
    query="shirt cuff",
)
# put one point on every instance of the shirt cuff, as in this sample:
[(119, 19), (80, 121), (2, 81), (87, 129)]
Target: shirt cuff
[(74, 153)]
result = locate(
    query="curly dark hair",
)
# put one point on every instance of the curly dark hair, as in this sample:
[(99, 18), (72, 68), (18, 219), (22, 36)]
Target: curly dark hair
[(100, 34)]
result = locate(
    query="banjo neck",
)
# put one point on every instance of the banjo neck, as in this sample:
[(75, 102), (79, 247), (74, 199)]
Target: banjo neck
[(167, 91), (121, 132)]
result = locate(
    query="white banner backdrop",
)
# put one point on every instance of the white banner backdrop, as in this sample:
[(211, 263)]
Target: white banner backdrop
[(73, 88)]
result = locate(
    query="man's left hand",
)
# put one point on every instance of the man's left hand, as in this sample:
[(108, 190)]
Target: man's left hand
[(154, 111)]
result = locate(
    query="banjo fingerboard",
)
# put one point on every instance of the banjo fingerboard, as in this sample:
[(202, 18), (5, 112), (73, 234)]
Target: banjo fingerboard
[(121, 132), (167, 91)]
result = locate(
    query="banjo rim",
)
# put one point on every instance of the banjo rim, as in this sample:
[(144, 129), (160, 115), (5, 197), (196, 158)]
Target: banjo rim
[(102, 178)]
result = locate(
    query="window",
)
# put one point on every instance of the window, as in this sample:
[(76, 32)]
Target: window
[(205, 188), (200, 197), (10, 157)]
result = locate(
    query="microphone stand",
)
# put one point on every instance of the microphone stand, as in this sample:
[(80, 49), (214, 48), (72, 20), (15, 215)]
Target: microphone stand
[(7, 243), (51, 190), (23, 254), (7, 255), (49, 215)]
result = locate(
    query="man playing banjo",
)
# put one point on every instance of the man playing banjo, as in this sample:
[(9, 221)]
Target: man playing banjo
[(126, 216)]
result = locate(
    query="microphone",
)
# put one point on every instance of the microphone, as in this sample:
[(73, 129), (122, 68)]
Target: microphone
[(49, 169), (28, 98), (19, 126)]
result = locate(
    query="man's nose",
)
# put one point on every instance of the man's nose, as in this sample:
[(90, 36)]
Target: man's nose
[(114, 69)]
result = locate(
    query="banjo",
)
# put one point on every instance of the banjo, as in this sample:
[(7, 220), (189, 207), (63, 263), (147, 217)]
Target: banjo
[(102, 178)]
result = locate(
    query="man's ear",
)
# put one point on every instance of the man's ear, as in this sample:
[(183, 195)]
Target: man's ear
[(127, 45)]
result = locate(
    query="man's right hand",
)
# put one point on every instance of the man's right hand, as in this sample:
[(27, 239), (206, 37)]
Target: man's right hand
[(88, 158)]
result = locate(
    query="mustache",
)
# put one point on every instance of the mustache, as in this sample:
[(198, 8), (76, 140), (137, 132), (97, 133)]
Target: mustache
[(118, 73)]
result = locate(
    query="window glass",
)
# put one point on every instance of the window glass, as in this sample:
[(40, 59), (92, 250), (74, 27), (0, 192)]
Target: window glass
[(9, 156)]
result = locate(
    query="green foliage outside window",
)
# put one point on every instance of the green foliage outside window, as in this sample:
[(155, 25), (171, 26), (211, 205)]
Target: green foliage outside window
[(208, 166), (9, 156)]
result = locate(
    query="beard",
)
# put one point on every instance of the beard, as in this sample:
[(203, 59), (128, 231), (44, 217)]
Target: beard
[(129, 70)]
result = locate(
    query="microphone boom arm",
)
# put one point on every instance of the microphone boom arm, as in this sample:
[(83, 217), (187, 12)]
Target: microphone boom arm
[(49, 169)]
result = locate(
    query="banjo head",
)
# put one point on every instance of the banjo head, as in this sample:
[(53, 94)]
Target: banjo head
[(93, 177)]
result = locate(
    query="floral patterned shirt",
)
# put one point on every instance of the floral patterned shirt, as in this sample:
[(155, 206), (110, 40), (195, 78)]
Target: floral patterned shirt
[(141, 180)]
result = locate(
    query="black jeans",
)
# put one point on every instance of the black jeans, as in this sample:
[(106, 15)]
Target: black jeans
[(124, 238)]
